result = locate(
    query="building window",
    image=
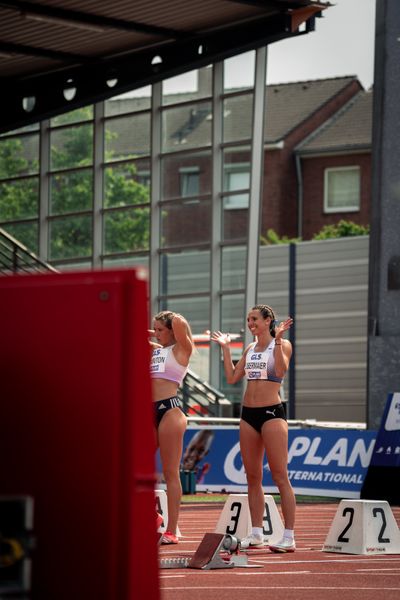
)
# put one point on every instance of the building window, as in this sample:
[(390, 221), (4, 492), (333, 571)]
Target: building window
[(236, 178), (342, 189), (189, 181)]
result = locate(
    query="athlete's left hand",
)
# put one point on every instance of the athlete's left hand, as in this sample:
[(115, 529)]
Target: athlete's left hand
[(282, 327)]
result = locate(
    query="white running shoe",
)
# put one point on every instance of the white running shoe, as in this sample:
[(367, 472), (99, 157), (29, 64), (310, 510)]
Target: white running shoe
[(285, 545), (252, 541)]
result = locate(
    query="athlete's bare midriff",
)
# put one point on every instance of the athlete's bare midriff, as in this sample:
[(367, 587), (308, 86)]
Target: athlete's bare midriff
[(163, 388), (261, 393)]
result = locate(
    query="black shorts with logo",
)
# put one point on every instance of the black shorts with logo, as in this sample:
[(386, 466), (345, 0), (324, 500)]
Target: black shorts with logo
[(257, 416)]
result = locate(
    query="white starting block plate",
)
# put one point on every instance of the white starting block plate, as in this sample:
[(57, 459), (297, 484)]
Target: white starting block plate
[(363, 527), (235, 518), (162, 509)]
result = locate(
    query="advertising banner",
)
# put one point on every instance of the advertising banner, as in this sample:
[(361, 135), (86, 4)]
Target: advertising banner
[(387, 448), (381, 480), (321, 462)]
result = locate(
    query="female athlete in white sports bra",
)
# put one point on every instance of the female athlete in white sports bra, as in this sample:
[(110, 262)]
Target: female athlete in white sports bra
[(263, 425), (168, 366)]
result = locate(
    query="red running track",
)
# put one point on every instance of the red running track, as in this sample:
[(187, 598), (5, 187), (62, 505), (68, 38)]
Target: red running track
[(307, 574)]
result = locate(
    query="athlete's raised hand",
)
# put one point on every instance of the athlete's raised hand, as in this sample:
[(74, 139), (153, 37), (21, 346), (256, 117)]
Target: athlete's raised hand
[(223, 339), (282, 327)]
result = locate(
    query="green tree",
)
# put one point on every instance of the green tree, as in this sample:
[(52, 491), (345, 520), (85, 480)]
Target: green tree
[(13, 160), (126, 229), (19, 198), (126, 226)]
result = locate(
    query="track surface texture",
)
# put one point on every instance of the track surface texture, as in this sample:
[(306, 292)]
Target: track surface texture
[(306, 574)]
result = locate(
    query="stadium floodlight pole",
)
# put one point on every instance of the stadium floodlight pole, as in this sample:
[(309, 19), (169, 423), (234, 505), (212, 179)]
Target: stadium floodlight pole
[(256, 181)]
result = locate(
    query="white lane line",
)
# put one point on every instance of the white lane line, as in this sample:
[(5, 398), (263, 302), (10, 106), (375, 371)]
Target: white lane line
[(352, 573), (277, 573), (378, 570), (273, 573), (175, 551), (333, 560), (283, 587), (267, 560)]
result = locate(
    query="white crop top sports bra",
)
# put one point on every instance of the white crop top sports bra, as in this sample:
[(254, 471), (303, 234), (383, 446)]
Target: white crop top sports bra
[(261, 365), (163, 365)]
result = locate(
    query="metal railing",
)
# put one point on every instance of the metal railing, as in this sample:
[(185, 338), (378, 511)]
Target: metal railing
[(293, 423), (16, 258), (201, 399)]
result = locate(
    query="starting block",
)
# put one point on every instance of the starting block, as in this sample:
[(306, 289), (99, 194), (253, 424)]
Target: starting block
[(216, 551), (162, 509), (363, 527), (207, 554), (174, 563), (235, 518)]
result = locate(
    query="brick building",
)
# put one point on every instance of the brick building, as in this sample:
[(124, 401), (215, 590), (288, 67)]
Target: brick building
[(334, 166), (317, 162)]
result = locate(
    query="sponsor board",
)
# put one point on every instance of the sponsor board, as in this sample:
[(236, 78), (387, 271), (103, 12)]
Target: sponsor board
[(325, 462), (387, 448)]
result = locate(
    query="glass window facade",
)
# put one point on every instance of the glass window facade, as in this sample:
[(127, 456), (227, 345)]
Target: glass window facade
[(70, 237), (187, 126), (80, 191), (127, 136)]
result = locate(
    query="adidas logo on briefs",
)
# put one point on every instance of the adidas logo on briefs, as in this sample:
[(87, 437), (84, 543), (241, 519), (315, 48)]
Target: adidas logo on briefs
[(161, 406)]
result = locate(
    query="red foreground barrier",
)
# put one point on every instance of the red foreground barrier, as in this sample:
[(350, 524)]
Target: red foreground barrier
[(77, 441)]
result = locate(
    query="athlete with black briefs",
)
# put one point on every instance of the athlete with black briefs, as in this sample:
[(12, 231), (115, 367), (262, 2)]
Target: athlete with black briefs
[(263, 424), (168, 366)]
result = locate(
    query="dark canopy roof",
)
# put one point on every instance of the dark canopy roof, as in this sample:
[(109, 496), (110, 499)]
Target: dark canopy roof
[(57, 55)]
